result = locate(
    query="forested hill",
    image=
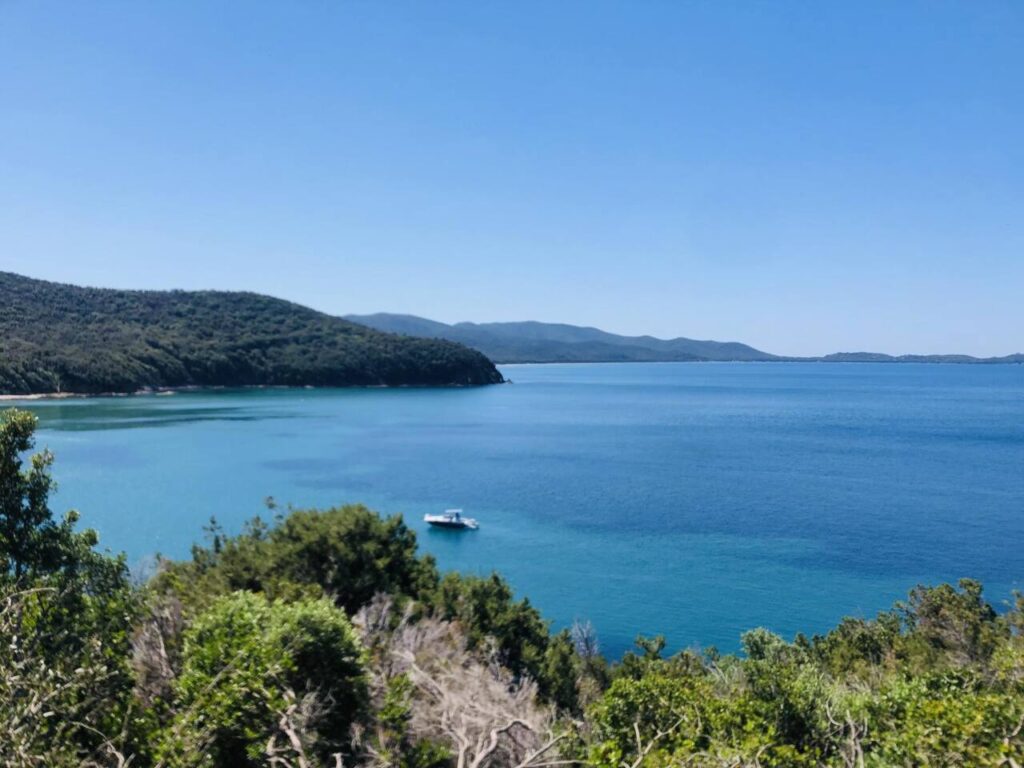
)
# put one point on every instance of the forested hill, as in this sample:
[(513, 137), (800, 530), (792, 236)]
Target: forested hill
[(534, 342), (64, 338)]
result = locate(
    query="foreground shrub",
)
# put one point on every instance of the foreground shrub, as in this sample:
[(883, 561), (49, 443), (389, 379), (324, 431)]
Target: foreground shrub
[(66, 614), (348, 553), (260, 678)]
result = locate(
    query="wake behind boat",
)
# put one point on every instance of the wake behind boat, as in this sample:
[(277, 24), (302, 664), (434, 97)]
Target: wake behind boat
[(452, 518)]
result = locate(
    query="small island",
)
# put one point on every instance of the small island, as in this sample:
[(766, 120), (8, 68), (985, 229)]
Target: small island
[(57, 338)]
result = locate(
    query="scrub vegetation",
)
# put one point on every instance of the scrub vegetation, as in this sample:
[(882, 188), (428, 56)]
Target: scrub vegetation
[(65, 339), (318, 639)]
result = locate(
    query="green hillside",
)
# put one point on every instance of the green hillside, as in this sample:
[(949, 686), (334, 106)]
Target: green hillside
[(63, 338)]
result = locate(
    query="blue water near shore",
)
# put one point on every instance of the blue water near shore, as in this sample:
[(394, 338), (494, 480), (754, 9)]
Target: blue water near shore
[(693, 500)]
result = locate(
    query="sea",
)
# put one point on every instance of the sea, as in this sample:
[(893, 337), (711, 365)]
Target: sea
[(692, 500)]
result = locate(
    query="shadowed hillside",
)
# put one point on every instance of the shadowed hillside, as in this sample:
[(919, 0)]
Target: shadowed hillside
[(63, 338)]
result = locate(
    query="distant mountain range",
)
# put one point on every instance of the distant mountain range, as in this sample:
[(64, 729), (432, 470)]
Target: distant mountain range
[(57, 338), (535, 342)]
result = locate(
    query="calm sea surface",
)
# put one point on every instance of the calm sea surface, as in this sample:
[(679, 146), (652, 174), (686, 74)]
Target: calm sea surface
[(693, 500)]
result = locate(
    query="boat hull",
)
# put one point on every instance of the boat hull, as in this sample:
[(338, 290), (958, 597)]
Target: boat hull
[(452, 523), (452, 518)]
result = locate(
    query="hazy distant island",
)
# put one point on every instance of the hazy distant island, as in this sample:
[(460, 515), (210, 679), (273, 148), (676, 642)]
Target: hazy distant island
[(876, 357), (535, 342), (57, 338)]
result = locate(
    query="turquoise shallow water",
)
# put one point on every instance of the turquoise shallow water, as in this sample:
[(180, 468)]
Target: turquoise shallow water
[(694, 500)]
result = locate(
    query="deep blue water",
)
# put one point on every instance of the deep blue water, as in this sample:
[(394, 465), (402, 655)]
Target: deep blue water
[(694, 500)]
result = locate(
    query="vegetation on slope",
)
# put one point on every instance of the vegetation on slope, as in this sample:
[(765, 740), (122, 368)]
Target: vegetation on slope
[(62, 338), (323, 638)]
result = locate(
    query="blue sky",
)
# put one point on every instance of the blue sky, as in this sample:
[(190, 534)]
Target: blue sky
[(805, 177)]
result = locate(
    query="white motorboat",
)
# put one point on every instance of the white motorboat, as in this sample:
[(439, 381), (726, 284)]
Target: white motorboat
[(452, 518)]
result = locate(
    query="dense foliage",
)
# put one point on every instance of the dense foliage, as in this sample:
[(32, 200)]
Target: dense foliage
[(62, 338), (938, 680), (323, 638), (348, 553), (66, 620), (246, 663)]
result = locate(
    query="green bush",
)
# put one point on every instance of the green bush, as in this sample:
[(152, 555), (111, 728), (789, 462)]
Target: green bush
[(66, 616), (347, 553), (487, 610), (248, 662)]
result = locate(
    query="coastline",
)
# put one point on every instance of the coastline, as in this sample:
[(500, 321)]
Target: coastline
[(166, 391), (80, 395), (895, 361)]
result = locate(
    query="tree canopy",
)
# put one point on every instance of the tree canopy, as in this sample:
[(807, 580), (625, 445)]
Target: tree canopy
[(63, 338), (247, 664)]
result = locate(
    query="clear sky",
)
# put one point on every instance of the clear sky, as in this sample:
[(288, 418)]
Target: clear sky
[(805, 177)]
